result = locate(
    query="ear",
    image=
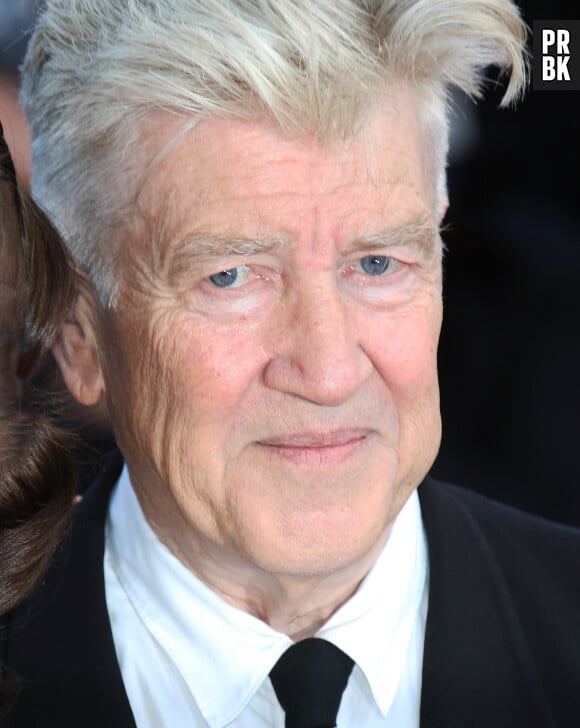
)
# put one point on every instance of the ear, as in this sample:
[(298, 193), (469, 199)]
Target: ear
[(76, 349)]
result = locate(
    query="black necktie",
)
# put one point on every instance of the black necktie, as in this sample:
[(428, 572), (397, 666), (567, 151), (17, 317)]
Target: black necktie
[(309, 680)]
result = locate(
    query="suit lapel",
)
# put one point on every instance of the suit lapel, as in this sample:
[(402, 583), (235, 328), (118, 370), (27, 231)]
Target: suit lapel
[(477, 668), (79, 650)]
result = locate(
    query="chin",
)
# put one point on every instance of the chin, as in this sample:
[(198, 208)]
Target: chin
[(320, 544)]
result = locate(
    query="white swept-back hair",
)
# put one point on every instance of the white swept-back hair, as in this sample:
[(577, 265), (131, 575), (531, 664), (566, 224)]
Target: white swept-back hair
[(96, 68)]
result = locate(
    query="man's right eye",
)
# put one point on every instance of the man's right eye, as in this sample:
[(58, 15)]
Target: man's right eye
[(231, 278)]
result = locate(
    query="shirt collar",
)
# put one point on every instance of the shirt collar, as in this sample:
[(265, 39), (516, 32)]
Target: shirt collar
[(386, 605), (223, 653)]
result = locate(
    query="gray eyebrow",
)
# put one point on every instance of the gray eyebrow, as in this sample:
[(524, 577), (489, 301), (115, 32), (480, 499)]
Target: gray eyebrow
[(422, 234), (200, 246), (204, 247), (210, 246)]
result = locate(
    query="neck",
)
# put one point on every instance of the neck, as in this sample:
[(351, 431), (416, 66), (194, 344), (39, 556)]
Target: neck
[(295, 604), (291, 605)]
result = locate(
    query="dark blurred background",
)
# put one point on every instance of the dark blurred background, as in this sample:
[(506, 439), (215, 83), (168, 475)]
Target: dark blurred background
[(510, 347)]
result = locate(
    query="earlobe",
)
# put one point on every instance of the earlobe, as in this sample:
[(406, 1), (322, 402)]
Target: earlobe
[(77, 353)]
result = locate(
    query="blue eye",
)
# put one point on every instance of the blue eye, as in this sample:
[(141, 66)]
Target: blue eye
[(225, 279), (375, 265), (231, 278)]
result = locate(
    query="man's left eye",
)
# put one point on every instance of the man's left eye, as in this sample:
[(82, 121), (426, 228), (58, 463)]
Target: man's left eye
[(231, 278), (376, 265)]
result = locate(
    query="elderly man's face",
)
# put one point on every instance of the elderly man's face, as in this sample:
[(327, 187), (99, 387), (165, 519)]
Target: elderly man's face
[(271, 365)]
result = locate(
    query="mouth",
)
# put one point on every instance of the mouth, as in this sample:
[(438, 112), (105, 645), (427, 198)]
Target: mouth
[(330, 448)]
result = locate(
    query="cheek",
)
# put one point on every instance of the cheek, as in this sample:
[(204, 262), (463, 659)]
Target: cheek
[(212, 367), (406, 359), (403, 349), (179, 390)]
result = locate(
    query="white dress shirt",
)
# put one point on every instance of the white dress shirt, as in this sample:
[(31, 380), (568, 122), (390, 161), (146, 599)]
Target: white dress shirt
[(190, 659)]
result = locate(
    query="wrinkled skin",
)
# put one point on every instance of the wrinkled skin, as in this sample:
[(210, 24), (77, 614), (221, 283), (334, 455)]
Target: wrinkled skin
[(275, 418)]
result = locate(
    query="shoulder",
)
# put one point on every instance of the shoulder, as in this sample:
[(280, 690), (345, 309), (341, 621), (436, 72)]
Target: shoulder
[(74, 576), (531, 552), (504, 556), (504, 606), (58, 642), (515, 534)]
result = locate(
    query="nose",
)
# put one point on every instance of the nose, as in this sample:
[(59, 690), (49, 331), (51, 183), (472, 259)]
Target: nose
[(319, 353)]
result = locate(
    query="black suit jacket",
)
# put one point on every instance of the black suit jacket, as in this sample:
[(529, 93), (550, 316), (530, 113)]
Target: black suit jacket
[(502, 645)]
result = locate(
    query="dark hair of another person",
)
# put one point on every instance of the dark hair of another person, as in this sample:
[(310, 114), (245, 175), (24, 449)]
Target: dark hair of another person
[(37, 471)]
